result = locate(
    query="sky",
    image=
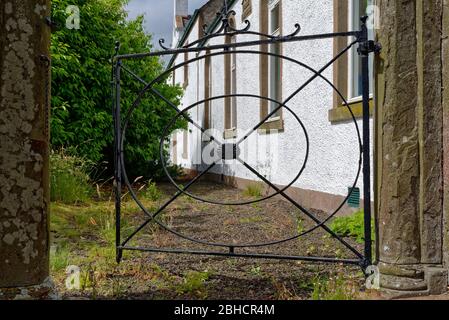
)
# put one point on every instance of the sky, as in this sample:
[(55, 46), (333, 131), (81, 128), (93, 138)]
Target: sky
[(158, 16)]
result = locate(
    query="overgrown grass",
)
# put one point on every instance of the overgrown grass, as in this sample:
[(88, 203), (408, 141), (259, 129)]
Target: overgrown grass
[(337, 287), (69, 178), (352, 226), (83, 235), (253, 190)]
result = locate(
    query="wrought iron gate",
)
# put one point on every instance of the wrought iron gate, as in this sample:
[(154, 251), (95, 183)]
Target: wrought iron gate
[(230, 151)]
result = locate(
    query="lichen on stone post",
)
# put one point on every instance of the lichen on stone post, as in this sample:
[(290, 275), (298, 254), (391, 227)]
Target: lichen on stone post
[(24, 147)]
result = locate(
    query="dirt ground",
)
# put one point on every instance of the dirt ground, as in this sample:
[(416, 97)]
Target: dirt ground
[(177, 276)]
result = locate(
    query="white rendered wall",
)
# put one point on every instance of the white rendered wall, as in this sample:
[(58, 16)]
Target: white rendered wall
[(334, 151)]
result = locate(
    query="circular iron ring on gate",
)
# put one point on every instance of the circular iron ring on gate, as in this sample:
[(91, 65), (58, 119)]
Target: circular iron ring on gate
[(162, 77), (182, 112)]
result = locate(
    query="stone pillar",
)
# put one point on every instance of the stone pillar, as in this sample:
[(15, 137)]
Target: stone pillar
[(409, 144), (445, 61), (24, 147)]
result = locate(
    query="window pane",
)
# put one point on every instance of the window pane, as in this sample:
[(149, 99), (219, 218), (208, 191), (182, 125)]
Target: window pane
[(275, 77), (359, 9), (275, 18)]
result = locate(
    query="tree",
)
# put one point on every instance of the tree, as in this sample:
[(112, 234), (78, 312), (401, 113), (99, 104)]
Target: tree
[(81, 117)]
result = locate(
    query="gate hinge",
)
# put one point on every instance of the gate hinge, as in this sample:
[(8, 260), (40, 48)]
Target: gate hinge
[(368, 47), (54, 26)]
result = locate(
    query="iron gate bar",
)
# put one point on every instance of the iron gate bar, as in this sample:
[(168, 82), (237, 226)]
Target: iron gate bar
[(244, 255), (366, 142), (117, 157), (239, 44), (365, 47)]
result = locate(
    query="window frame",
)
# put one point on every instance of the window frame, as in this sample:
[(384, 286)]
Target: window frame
[(272, 49), (354, 24), (275, 123), (175, 148), (341, 69), (186, 68), (230, 107), (247, 9), (185, 144)]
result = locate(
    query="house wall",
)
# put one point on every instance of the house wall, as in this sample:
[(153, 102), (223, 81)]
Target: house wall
[(334, 153)]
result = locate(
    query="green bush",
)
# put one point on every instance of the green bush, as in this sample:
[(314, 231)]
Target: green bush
[(352, 226), (69, 178), (81, 86)]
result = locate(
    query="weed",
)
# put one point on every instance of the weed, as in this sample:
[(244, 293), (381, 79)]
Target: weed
[(256, 271), (59, 258), (193, 283), (300, 226), (334, 288), (69, 178), (351, 226), (152, 192), (253, 190)]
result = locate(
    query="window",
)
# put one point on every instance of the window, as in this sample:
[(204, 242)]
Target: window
[(358, 9), (175, 148), (346, 70), (231, 88), (233, 116), (207, 91), (186, 70), (185, 144), (274, 72), (246, 9), (271, 66)]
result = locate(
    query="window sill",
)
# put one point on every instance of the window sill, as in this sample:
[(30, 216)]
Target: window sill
[(274, 124), (230, 134), (342, 114)]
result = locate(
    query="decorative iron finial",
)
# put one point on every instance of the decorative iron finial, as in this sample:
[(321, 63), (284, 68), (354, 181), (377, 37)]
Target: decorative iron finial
[(117, 47)]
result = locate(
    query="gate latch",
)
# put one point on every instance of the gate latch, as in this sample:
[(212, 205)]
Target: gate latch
[(368, 47)]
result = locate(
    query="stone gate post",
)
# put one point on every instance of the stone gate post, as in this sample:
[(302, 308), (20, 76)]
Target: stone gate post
[(409, 146), (24, 147)]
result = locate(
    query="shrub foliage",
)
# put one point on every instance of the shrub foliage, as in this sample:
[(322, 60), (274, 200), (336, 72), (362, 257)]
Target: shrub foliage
[(81, 86)]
